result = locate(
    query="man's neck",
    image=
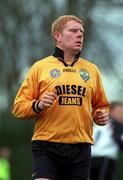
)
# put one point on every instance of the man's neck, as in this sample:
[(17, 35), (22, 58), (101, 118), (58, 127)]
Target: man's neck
[(69, 56)]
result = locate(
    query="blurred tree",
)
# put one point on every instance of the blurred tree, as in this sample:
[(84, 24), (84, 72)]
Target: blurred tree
[(24, 37)]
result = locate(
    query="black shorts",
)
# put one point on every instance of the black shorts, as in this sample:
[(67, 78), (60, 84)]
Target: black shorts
[(57, 161)]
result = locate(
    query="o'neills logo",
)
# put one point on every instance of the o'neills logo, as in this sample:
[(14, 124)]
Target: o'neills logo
[(71, 70), (55, 73), (84, 74)]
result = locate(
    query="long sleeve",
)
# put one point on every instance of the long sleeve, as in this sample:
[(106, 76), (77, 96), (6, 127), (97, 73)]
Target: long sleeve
[(26, 96), (99, 99)]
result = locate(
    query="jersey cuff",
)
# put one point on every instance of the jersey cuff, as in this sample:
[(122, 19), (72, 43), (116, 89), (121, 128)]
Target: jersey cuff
[(35, 107)]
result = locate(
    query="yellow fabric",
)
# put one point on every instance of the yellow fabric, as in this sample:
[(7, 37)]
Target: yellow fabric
[(69, 120)]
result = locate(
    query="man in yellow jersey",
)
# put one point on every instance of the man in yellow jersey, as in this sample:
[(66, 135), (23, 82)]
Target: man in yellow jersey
[(63, 93)]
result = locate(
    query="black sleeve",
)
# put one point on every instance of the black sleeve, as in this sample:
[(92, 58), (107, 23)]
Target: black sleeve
[(118, 134), (119, 140)]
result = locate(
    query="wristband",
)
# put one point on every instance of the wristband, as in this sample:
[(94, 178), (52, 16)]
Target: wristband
[(35, 107)]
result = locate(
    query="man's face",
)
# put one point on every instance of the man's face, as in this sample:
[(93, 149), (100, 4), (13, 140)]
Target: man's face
[(71, 38)]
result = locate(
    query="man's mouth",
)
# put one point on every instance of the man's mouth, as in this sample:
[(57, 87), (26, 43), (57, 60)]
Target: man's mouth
[(79, 43)]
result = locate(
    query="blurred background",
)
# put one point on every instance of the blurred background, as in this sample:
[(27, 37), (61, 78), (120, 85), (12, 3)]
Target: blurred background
[(25, 37)]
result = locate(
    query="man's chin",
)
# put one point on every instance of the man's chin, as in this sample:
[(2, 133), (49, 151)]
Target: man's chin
[(77, 50)]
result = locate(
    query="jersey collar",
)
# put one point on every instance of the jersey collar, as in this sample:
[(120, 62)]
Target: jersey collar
[(59, 54)]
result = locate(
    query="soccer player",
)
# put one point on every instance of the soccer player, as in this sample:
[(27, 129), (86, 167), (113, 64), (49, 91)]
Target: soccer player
[(63, 93)]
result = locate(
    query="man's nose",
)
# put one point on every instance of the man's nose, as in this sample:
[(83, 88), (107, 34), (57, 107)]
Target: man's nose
[(80, 34)]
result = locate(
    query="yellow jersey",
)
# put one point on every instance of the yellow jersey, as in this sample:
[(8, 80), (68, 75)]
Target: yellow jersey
[(79, 92)]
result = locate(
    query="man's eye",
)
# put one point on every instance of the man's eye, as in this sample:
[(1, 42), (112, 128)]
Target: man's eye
[(73, 30)]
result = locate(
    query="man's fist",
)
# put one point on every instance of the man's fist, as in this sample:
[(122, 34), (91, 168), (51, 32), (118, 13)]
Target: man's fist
[(101, 117), (47, 100)]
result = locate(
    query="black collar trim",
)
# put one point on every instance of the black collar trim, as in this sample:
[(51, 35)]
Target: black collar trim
[(59, 54)]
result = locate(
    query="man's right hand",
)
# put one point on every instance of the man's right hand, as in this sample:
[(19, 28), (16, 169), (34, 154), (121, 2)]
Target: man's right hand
[(47, 100)]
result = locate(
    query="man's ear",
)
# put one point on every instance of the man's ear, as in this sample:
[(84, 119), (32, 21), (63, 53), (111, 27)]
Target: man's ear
[(57, 36)]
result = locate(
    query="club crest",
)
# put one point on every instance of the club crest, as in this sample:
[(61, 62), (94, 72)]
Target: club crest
[(84, 74), (54, 73)]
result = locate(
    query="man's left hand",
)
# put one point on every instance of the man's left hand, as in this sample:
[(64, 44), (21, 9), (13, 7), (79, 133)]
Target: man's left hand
[(101, 117)]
